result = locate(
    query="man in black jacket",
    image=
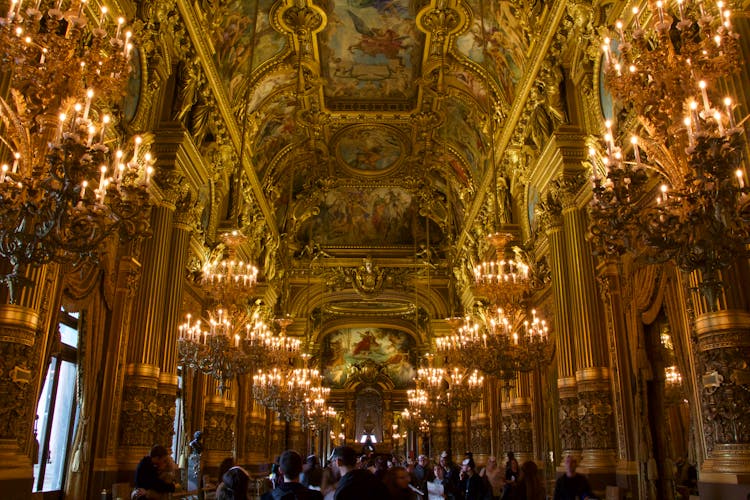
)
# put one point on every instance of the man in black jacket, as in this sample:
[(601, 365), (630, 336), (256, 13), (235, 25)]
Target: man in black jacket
[(471, 486), (355, 484), (290, 465)]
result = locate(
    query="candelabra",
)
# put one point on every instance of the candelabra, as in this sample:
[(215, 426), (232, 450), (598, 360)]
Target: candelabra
[(72, 181), (227, 279), (684, 153)]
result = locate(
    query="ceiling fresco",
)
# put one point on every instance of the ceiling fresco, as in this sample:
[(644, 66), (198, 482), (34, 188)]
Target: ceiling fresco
[(369, 130), (371, 49)]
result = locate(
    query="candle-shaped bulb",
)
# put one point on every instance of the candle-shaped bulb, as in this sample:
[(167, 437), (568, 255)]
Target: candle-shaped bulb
[(738, 173)]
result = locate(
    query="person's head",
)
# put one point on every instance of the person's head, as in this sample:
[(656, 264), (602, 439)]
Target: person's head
[(570, 463), (467, 466), (511, 456), (311, 462), (491, 462), (422, 460), (225, 465), (439, 472), (529, 470), (290, 464), (396, 479), (343, 458), (514, 465), (235, 483), (159, 456), (445, 458)]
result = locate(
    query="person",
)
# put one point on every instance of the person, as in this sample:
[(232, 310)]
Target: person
[(422, 473), (396, 480), (450, 475), (311, 473), (290, 467), (529, 485), (571, 485), (328, 483), (435, 488), (494, 477), (148, 484), (512, 471), (234, 484), (355, 484), (470, 484)]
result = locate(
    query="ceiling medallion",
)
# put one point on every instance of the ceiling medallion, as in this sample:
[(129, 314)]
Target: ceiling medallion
[(370, 150)]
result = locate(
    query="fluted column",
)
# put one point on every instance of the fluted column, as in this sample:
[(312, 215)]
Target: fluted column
[(622, 373), (141, 411), (595, 408), (563, 330), (182, 226)]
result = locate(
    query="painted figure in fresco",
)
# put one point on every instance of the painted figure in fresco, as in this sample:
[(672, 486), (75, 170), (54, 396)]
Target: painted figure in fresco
[(376, 41), (368, 342)]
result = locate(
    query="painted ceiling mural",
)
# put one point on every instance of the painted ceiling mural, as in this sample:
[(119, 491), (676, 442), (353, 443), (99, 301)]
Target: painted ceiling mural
[(370, 49), (369, 150), (344, 349), (353, 216), (504, 30), (242, 40)]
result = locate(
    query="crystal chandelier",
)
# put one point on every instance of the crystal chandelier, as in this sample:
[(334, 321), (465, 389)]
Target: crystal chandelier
[(318, 416), (440, 392), (685, 150), (227, 279), (505, 280), (501, 345), (69, 180), (286, 391), (238, 338)]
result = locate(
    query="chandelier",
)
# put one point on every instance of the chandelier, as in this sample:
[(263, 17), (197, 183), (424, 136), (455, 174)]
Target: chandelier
[(69, 180), (318, 416), (441, 392), (286, 391), (227, 279), (505, 280), (500, 344), (674, 190), (238, 339)]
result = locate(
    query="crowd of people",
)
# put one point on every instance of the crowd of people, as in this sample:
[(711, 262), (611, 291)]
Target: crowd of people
[(354, 476)]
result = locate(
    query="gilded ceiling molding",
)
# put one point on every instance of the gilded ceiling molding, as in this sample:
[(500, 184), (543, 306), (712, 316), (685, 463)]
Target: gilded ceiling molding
[(224, 108), (542, 45)]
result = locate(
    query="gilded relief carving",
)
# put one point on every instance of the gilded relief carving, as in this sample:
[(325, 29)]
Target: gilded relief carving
[(17, 374), (596, 420), (570, 430)]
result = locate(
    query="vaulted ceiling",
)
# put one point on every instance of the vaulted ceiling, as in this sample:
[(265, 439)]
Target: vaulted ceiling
[(371, 129)]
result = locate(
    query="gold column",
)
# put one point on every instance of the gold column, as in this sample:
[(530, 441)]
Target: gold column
[(140, 413), (595, 412), (218, 428), (256, 437), (506, 427), (520, 418), (724, 351), (551, 219), (168, 383), (481, 435), (19, 373), (622, 374)]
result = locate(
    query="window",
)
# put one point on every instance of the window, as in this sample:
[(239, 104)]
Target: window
[(57, 410)]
